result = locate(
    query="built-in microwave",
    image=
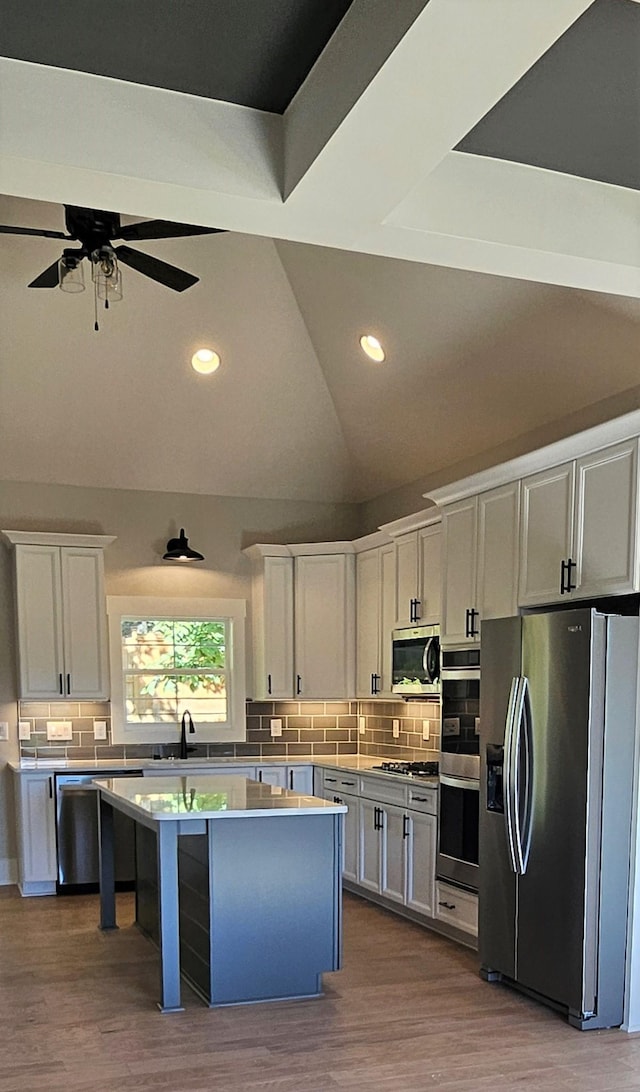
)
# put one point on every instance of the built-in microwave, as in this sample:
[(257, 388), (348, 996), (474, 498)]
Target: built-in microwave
[(416, 661)]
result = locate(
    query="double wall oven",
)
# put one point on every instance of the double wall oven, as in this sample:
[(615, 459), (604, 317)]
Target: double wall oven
[(459, 795)]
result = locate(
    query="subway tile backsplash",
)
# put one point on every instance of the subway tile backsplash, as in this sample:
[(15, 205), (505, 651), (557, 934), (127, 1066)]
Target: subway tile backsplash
[(308, 728)]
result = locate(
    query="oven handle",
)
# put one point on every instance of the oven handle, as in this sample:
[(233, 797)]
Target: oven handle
[(460, 673), (460, 782)]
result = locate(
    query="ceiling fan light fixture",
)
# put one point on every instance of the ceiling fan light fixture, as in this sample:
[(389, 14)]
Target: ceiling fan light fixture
[(70, 274), (106, 275), (205, 361), (372, 348), (178, 549)]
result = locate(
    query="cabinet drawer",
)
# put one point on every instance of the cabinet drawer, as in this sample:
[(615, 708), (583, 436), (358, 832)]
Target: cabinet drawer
[(338, 781), (387, 792), (457, 907), (422, 799)]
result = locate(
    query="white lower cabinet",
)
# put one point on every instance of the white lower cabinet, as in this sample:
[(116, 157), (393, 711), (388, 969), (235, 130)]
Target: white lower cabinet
[(297, 778), (36, 830), (421, 863)]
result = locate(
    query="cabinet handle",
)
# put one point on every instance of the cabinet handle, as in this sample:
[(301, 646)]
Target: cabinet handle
[(337, 800), (68, 684), (375, 819), (268, 684), (563, 566), (298, 684), (466, 623), (473, 632), (290, 779), (417, 610), (448, 905), (333, 780), (50, 780), (61, 687), (570, 565), (420, 799), (259, 775), (375, 689), (405, 826), (348, 782)]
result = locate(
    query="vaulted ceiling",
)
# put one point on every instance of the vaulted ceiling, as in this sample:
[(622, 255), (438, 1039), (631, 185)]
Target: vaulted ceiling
[(460, 177)]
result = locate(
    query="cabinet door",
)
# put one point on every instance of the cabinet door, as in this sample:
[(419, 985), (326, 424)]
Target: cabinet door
[(387, 614), (430, 589), (37, 833), (368, 599), (324, 626), (606, 521), (498, 540), (459, 575), (421, 864), (39, 606), (369, 857), (546, 533), (394, 840), (300, 779), (350, 838), (273, 775), (272, 617), (406, 548), (84, 623)]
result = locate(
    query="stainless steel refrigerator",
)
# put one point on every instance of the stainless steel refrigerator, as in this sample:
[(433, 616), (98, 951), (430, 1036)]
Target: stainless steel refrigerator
[(557, 732)]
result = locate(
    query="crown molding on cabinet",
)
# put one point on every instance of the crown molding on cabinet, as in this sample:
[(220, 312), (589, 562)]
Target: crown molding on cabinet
[(371, 542), (47, 538), (414, 522), (563, 451)]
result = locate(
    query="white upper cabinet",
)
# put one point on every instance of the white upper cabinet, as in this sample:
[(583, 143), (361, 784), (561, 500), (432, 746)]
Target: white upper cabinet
[(303, 621), (324, 625), (579, 528), (272, 610), (60, 600), (481, 562), (417, 568), (375, 618)]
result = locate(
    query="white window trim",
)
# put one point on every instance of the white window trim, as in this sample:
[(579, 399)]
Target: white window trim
[(124, 606)]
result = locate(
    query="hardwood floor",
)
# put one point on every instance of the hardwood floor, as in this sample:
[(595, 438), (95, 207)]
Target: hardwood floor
[(407, 1013)]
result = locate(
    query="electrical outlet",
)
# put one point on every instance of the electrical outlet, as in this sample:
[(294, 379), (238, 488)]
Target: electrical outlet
[(24, 729), (99, 729), (4, 729), (276, 726), (426, 728), (362, 725), (60, 730), (396, 729)]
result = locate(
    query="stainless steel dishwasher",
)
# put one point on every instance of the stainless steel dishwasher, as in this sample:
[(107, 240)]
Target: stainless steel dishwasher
[(77, 833)]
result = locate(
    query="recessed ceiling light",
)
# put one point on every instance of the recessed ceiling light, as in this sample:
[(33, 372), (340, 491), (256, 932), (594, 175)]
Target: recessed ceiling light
[(372, 347), (205, 361)]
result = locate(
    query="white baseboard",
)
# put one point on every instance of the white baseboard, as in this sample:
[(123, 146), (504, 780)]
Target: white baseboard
[(8, 871)]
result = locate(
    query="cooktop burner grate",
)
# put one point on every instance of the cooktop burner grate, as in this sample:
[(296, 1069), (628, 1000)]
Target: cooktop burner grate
[(412, 769)]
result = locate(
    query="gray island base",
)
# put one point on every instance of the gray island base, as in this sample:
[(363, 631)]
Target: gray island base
[(239, 884)]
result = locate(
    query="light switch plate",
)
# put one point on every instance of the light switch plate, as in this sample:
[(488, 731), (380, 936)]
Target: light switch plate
[(99, 729), (276, 726), (4, 729), (426, 728), (24, 729), (60, 730), (396, 729), (362, 725)]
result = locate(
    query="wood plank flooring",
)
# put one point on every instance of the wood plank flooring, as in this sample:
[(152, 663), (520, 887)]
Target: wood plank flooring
[(408, 1013)]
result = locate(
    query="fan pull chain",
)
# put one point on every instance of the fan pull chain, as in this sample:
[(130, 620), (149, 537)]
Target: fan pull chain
[(95, 306)]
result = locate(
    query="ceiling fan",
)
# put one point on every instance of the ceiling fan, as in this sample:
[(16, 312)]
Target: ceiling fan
[(96, 231)]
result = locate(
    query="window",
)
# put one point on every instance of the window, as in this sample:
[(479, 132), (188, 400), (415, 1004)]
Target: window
[(173, 655)]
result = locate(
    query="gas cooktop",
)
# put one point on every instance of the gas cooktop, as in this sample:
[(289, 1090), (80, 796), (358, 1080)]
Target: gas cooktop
[(411, 769)]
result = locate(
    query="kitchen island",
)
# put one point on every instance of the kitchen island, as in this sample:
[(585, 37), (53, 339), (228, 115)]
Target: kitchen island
[(238, 882)]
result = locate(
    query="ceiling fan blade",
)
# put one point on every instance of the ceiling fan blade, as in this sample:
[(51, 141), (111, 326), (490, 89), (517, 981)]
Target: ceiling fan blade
[(168, 275), (49, 278), (162, 229), (4, 230)]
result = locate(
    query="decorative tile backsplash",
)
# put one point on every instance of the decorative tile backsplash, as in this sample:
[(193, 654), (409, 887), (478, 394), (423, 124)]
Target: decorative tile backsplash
[(308, 728)]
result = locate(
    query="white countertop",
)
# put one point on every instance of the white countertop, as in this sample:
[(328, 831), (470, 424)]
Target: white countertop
[(209, 796)]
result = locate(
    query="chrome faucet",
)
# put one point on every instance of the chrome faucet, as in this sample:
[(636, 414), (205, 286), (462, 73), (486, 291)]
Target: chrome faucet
[(184, 748)]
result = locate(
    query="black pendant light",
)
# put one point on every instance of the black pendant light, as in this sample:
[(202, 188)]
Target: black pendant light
[(178, 549)]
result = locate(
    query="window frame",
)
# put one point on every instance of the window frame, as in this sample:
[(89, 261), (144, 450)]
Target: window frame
[(233, 611)]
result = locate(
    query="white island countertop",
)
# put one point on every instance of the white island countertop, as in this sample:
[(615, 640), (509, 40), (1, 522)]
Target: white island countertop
[(208, 796)]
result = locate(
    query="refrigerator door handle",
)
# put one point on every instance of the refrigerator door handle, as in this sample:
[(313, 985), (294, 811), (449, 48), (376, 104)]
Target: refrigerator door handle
[(520, 775), (509, 796)]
